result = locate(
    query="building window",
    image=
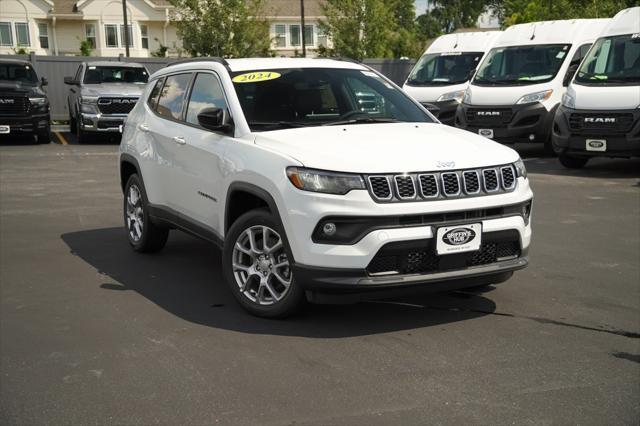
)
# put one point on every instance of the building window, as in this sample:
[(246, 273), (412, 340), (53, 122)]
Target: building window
[(6, 38), (308, 35), (281, 35), (22, 34), (111, 35), (129, 35), (144, 36), (43, 35), (90, 34), (323, 39), (294, 35)]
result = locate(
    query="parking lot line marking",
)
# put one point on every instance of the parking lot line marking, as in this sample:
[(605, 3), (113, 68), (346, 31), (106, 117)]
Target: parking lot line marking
[(61, 138)]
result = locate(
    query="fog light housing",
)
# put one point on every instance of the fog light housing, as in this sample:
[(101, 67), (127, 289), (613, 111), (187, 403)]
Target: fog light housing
[(526, 212), (87, 121), (532, 137), (329, 228)]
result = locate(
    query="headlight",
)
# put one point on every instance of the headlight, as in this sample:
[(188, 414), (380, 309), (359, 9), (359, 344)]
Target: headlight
[(88, 109), (457, 95), (467, 96), (521, 170), (568, 101), (38, 101), (321, 181), (92, 100), (535, 97)]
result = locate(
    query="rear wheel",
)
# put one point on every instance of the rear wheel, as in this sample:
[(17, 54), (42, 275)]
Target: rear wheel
[(257, 266), (571, 162), (143, 235)]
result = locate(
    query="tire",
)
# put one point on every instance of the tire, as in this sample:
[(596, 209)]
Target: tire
[(572, 162), (143, 235), (261, 279), (81, 135), (45, 137)]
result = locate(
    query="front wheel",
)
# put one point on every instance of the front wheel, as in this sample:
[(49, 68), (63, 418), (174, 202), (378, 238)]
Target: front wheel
[(572, 162), (143, 235), (257, 267), (44, 136)]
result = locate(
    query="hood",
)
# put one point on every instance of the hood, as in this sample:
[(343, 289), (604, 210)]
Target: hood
[(386, 147), (504, 95), (431, 93), (18, 88), (113, 89), (604, 97)]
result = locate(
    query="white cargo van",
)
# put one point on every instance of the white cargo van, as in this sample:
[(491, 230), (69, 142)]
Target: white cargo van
[(439, 78), (600, 113), (519, 83)]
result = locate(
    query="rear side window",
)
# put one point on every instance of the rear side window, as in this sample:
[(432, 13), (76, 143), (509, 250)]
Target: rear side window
[(206, 93), (155, 94), (172, 96)]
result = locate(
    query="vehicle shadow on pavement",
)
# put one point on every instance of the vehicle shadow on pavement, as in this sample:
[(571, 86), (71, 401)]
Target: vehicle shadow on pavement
[(185, 279)]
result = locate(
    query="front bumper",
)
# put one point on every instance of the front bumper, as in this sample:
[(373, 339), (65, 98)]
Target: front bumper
[(103, 123), (31, 124), (570, 132), (510, 124), (445, 111)]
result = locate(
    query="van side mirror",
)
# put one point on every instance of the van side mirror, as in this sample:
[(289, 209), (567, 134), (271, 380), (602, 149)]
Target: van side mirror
[(570, 73), (44, 81), (215, 119), (70, 81)]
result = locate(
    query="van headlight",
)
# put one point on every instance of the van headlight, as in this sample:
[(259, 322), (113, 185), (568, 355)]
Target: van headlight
[(91, 100), (521, 170), (568, 101), (324, 181), (535, 97), (38, 101), (457, 95)]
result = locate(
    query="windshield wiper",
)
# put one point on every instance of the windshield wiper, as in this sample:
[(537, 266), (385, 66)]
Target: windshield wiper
[(276, 124), (360, 121)]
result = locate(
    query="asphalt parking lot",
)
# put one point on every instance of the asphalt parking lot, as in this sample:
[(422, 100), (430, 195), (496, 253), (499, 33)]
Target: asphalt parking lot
[(92, 333)]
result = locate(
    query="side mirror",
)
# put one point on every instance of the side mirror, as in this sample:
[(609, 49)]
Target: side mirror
[(70, 81), (44, 81), (570, 73), (215, 119)]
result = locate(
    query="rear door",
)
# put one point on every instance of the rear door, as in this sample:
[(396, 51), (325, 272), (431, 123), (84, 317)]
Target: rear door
[(165, 128)]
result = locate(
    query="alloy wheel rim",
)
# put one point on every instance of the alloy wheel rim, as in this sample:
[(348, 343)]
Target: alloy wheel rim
[(134, 214), (260, 265)]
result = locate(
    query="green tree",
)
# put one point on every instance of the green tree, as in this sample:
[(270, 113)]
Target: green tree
[(446, 16), (227, 28), (370, 28)]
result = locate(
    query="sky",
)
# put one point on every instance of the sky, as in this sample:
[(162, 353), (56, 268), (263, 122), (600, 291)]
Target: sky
[(421, 6)]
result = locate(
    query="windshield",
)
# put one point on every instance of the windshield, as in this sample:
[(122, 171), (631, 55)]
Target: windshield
[(297, 97), (97, 75), (612, 60), (521, 65), (22, 73), (437, 69)]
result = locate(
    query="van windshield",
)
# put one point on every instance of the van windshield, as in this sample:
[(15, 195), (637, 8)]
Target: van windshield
[(301, 97), (438, 69), (22, 73), (98, 75), (612, 60), (521, 65)]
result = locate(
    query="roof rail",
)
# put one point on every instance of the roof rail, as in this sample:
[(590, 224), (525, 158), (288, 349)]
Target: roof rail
[(201, 59), (340, 58)]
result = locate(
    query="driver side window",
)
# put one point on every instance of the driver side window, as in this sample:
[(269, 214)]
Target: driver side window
[(206, 93)]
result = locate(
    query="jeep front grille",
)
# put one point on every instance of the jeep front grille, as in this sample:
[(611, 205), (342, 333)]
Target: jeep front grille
[(441, 185), (116, 105)]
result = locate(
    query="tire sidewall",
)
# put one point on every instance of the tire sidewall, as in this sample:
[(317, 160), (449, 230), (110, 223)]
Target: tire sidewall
[(139, 245), (295, 296)]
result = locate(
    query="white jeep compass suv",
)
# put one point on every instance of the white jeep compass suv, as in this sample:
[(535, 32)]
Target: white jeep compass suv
[(319, 178)]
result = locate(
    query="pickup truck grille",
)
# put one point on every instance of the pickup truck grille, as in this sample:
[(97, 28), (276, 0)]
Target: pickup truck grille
[(116, 105), (12, 105), (441, 185), (601, 122), (493, 117)]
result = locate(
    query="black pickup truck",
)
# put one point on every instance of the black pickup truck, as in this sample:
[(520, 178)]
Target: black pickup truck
[(24, 107)]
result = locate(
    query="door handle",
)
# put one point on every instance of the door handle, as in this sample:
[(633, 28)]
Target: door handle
[(179, 140), (143, 127)]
